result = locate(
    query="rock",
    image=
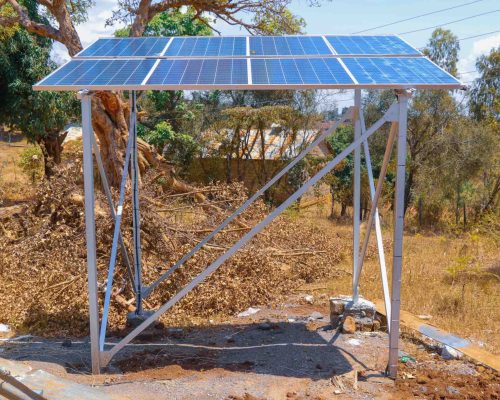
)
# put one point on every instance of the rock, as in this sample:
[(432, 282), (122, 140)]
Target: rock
[(265, 326), (349, 325), (66, 343), (354, 342), (248, 312), (309, 298), (449, 353), (422, 379), (316, 315), (452, 390), (337, 306), (376, 325)]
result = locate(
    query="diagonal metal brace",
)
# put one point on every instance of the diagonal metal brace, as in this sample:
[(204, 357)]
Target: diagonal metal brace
[(107, 355)]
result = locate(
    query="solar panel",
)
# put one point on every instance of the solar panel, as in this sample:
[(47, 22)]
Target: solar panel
[(288, 45), (300, 71), (126, 47), (207, 47), (371, 45), (254, 62), (200, 72), (398, 71), (87, 73)]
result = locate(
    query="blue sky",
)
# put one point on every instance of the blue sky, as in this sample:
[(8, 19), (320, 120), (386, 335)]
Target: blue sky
[(349, 16)]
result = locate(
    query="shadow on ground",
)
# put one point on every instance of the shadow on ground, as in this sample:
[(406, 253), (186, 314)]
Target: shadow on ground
[(279, 349)]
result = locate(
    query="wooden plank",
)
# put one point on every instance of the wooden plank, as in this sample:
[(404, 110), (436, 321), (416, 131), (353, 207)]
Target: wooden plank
[(463, 345)]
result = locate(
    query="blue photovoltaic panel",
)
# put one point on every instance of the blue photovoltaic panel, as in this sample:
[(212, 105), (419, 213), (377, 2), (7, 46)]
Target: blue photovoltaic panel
[(398, 71), (126, 47), (207, 47), (300, 71), (86, 73), (200, 72), (376, 45), (288, 45)]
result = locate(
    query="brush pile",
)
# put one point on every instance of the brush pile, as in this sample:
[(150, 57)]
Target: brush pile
[(43, 276)]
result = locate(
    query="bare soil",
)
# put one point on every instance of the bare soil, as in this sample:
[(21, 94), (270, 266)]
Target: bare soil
[(278, 353)]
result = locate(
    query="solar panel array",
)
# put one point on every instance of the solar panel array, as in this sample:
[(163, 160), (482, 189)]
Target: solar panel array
[(254, 62)]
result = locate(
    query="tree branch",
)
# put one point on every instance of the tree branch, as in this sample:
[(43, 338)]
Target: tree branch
[(32, 26)]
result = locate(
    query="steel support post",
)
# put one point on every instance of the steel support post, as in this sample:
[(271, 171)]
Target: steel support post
[(397, 255), (135, 204), (88, 178), (356, 205), (373, 217)]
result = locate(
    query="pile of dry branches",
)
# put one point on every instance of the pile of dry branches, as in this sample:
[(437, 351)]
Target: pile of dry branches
[(43, 262)]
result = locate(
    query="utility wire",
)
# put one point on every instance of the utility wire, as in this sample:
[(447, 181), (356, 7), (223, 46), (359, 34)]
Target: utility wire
[(467, 38), (475, 36), (448, 23), (419, 16)]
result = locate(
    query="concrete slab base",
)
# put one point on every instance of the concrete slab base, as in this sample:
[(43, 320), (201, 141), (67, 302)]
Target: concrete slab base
[(134, 319), (363, 312)]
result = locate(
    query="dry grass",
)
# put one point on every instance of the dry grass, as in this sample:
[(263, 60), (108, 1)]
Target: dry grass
[(456, 280), (15, 185)]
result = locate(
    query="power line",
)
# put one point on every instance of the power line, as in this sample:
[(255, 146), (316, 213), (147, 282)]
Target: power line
[(448, 23), (419, 16), (467, 38), (475, 36)]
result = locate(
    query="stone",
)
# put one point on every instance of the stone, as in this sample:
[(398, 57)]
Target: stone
[(134, 319), (349, 325), (66, 343), (376, 325), (449, 353), (316, 315), (265, 326), (309, 298), (337, 306), (176, 333), (422, 379)]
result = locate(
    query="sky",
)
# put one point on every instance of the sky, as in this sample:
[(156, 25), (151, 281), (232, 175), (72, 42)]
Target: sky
[(348, 16)]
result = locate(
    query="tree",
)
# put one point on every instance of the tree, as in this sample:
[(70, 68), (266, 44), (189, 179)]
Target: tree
[(25, 59), (110, 112), (484, 98), (443, 49), (430, 111)]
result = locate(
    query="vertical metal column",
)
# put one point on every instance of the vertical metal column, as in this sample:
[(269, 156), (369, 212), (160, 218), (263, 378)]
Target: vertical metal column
[(356, 204), (135, 204), (88, 178), (397, 256)]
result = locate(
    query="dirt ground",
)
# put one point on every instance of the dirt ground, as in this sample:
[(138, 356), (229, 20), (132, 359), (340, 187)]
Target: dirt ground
[(284, 352)]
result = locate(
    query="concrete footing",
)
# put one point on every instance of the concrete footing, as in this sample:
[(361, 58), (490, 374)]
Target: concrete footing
[(134, 319), (359, 316)]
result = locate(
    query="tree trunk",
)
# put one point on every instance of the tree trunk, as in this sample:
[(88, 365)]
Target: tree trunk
[(343, 209), (51, 146), (420, 212), (332, 210)]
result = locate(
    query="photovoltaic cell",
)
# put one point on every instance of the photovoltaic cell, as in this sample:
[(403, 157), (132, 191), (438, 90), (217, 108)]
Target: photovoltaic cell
[(207, 47), (200, 72), (398, 71), (126, 47), (367, 45), (86, 73), (288, 45), (301, 71)]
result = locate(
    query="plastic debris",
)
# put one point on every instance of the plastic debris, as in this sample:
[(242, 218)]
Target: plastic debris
[(4, 328), (354, 342), (248, 312), (309, 298)]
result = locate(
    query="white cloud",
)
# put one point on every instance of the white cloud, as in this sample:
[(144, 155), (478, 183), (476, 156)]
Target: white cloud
[(479, 47)]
